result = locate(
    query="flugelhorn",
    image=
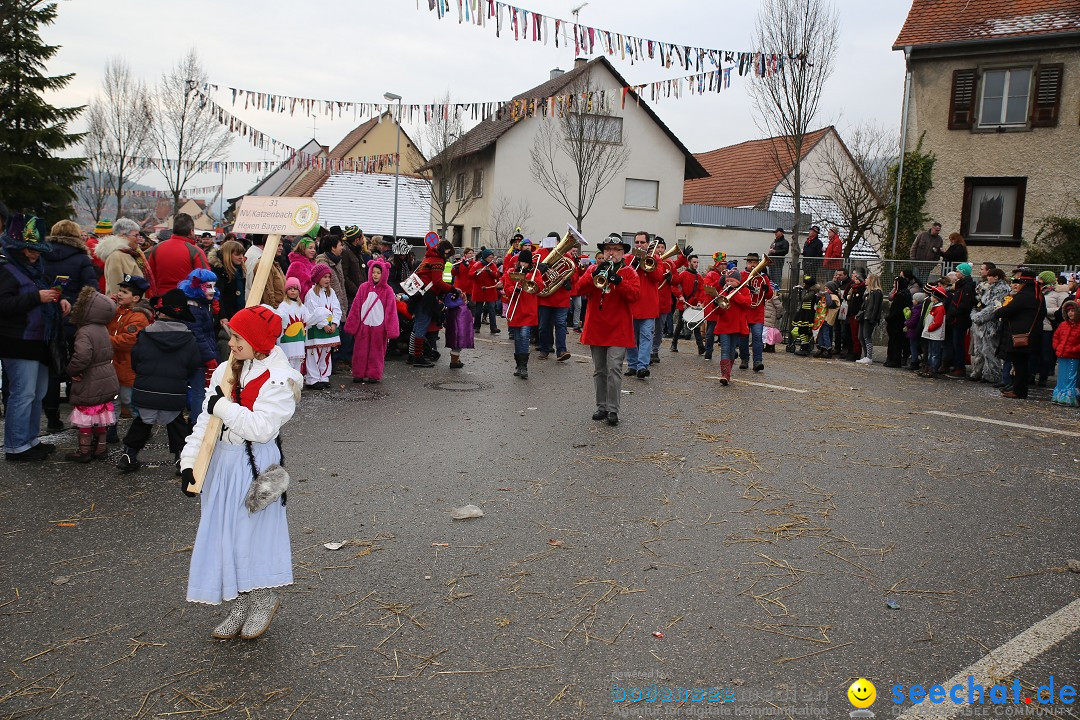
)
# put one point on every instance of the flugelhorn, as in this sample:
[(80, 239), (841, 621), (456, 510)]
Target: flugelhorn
[(723, 298)]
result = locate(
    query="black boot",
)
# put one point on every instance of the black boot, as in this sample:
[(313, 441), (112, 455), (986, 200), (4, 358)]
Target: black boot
[(517, 365), (111, 436), (55, 424), (524, 367), (129, 460)]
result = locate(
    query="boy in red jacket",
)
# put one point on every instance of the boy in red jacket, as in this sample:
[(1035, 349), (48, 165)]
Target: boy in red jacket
[(609, 323), (522, 309), (486, 285)]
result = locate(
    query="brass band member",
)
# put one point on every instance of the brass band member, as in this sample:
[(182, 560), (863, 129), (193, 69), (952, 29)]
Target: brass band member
[(611, 288)]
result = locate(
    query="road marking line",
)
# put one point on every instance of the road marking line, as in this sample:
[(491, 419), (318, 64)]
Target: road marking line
[(764, 385), (1002, 662), (1037, 428)]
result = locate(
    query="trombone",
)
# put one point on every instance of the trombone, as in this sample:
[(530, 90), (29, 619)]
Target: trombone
[(723, 298), (673, 250)]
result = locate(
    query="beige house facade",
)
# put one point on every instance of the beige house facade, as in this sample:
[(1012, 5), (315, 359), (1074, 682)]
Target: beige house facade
[(495, 172), (994, 94)]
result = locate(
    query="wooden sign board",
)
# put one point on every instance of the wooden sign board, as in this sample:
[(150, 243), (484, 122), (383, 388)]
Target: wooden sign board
[(276, 215)]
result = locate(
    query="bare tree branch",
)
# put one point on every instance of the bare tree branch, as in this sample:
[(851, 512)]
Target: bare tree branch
[(506, 217), (127, 119), (858, 180), (575, 156), (184, 129), (449, 175), (93, 190), (786, 101)]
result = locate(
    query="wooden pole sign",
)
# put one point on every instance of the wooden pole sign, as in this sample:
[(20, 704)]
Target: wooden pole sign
[(273, 217)]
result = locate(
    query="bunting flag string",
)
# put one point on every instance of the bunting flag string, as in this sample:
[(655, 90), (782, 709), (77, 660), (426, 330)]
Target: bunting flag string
[(188, 192), (697, 84), (527, 25), (369, 163)]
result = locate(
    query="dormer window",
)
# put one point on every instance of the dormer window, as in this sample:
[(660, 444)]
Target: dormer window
[(1005, 98)]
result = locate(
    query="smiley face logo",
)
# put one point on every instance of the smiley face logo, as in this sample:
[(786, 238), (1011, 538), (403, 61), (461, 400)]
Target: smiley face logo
[(862, 693)]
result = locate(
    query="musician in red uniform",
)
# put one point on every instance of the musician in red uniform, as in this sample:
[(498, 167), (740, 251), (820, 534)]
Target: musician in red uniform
[(645, 309), (486, 288), (714, 279), (430, 272), (761, 291), (462, 274), (665, 298), (554, 307), (521, 306), (609, 323), (730, 324), (687, 287)]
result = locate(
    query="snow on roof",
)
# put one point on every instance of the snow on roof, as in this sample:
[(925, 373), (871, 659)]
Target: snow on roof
[(823, 211), (367, 200)]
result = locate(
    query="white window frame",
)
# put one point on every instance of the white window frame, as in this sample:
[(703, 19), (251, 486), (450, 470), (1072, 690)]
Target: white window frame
[(474, 237), (460, 182), (999, 122), (626, 187)]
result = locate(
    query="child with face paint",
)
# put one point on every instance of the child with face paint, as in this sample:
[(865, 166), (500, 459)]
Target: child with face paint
[(200, 288)]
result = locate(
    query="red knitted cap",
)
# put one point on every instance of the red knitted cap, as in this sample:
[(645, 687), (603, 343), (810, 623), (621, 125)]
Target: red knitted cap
[(259, 325)]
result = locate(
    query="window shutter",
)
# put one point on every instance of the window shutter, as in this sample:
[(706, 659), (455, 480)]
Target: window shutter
[(962, 102), (1044, 111)]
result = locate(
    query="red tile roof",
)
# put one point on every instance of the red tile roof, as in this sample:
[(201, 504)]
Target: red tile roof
[(933, 22), (744, 175)]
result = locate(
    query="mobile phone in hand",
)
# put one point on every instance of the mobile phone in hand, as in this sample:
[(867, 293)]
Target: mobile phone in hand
[(60, 282)]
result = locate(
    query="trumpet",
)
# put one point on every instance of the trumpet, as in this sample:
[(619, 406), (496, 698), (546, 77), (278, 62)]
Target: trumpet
[(723, 299), (646, 261), (601, 278)]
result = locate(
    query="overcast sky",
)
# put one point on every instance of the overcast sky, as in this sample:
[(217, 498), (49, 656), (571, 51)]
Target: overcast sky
[(358, 49)]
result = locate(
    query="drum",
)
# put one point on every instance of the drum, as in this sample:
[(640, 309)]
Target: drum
[(693, 316)]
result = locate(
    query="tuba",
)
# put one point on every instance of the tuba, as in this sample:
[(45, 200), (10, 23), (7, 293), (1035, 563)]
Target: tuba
[(560, 267), (723, 299)]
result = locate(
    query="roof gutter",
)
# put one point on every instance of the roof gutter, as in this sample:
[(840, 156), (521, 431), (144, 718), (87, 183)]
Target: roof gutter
[(903, 143)]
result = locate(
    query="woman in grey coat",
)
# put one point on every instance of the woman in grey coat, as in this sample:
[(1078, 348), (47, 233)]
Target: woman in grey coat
[(985, 363)]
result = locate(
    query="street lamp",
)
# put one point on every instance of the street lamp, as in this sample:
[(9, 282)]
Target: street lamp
[(397, 155)]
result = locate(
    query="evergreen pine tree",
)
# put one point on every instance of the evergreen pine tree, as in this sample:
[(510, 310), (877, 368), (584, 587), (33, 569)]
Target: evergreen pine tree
[(32, 177)]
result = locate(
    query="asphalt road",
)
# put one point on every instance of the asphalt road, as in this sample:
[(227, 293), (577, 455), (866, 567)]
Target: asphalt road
[(765, 533)]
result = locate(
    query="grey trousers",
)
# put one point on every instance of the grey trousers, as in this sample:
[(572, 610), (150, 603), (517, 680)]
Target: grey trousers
[(607, 376)]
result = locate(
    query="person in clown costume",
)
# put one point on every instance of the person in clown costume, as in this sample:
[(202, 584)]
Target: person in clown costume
[(373, 321), (324, 328), (294, 321)]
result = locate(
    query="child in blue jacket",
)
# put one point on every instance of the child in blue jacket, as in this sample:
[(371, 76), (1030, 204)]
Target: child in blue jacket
[(200, 288)]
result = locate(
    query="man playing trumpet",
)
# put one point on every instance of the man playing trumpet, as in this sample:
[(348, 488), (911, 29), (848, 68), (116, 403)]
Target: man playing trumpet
[(611, 288)]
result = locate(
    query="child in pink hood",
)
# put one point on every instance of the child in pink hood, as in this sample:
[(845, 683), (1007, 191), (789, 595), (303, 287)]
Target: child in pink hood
[(373, 321)]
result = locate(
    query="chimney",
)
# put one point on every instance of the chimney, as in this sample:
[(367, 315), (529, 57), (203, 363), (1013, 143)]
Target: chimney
[(578, 62), (555, 73)]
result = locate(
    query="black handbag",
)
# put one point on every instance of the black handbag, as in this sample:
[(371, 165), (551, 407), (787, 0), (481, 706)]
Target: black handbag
[(58, 355)]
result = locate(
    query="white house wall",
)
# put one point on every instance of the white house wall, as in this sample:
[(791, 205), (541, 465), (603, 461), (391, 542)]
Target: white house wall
[(653, 157)]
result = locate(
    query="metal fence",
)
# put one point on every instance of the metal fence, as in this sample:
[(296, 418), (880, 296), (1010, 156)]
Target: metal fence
[(887, 270)]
